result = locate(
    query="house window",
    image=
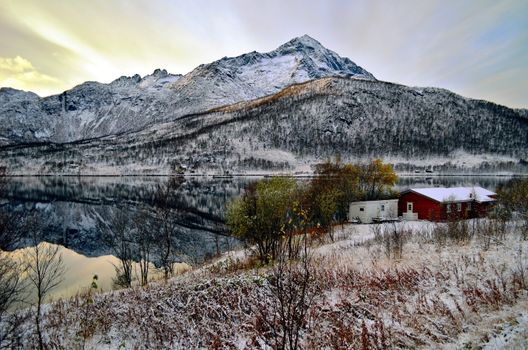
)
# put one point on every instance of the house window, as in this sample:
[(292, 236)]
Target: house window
[(383, 207), (459, 206), (409, 206), (361, 209), (448, 208), (468, 206)]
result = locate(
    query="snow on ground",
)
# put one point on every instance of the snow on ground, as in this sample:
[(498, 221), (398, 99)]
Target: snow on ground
[(350, 235), (458, 158), (503, 329), (438, 294)]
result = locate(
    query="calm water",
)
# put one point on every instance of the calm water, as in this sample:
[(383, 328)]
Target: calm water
[(72, 211)]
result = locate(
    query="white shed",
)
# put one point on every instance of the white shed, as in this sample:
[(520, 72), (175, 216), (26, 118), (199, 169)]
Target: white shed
[(369, 211)]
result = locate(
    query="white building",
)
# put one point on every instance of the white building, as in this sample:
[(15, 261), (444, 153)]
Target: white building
[(369, 211)]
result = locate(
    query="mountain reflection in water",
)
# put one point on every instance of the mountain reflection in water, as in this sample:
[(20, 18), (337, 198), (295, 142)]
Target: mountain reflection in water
[(80, 270), (71, 211)]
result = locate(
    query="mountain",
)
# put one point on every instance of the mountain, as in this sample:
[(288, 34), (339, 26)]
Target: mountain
[(88, 110), (523, 112), (299, 126), (130, 103), (254, 75), (282, 110)]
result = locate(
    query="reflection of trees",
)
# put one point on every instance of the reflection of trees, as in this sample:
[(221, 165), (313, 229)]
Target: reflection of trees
[(118, 236), (11, 229), (165, 225), (146, 235), (45, 271), (10, 222), (489, 182), (70, 210), (11, 286)]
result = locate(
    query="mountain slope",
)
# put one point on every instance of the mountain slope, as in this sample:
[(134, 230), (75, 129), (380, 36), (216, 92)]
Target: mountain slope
[(132, 103), (88, 110), (302, 124)]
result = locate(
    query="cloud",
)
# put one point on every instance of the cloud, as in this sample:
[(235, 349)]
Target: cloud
[(451, 44), (15, 65), (19, 73)]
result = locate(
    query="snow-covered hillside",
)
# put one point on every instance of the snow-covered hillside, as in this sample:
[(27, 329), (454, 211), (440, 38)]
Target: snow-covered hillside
[(299, 126), (281, 110), (439, 294)]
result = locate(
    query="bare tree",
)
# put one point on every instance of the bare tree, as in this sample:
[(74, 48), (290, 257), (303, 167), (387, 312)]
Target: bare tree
[(291, 285), (165, 227), (45, 271), (11, 294), (143, 237), (392, 237), (118, 236)]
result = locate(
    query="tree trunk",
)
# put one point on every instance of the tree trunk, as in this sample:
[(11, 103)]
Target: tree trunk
[(37, 321)]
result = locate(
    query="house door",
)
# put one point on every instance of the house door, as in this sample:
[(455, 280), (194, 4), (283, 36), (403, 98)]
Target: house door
[(409, 207)]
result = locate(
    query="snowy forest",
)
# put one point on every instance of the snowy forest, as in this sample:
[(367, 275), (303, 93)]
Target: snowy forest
[(411, 128)]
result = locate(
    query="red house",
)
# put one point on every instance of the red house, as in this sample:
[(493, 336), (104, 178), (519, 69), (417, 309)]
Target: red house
[(441, 204)]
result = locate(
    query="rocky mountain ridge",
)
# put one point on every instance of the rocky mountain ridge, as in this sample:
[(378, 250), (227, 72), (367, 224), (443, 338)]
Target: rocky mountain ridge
[(299, 126), (131, 103), (282, 110)]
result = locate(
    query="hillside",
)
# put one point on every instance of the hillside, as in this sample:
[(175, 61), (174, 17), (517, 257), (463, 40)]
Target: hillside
[(439, 294), (278, 111), (299, 126)]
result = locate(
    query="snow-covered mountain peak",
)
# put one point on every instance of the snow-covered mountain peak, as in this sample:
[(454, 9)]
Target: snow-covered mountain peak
[(306, 58), (253, 75), (523, 112), (318, 61), (159, 79), (130, 102), (159, 73), (125, 81), (302, 43)]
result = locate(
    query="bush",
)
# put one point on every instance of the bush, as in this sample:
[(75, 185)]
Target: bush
[(392, 238), (513, 200), (262, 215)]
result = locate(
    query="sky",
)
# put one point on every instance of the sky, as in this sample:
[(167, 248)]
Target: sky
[(478, 48)]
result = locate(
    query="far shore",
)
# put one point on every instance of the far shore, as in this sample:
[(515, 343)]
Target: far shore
[(270, 174)]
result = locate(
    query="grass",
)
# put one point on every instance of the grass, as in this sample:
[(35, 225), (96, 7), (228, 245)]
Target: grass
[(431, 296)]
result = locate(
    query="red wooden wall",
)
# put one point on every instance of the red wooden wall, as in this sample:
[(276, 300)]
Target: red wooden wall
[(428, 209)]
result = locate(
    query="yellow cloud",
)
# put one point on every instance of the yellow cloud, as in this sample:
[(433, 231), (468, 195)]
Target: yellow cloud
[(19, 73), (15, 65)]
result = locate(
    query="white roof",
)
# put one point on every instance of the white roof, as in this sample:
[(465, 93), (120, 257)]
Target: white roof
[(376, 201), (456, 194)]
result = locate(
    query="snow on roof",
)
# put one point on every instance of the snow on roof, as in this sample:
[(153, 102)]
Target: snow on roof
[(456, 194)]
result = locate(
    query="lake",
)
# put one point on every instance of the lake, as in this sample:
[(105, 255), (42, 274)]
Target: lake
[(74, 212)]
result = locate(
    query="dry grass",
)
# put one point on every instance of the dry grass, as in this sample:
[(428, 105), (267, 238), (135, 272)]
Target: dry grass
[(362, 299)]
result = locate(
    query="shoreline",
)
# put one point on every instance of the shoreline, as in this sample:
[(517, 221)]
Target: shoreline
[(222, 176)]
